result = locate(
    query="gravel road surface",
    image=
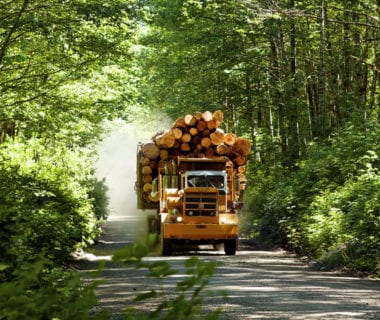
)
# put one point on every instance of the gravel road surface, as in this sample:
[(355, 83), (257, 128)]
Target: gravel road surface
[(260, 284)]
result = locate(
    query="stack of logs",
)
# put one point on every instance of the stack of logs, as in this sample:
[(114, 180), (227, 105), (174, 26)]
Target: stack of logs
[(194, 136)]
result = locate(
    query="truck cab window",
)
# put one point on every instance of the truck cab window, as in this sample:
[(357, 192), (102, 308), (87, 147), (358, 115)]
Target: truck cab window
[(207, 180)]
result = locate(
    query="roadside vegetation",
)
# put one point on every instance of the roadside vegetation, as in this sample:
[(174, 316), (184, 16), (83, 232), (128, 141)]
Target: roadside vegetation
[(300, 79), (327, 206)]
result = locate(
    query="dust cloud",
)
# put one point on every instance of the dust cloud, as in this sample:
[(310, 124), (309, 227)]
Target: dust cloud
[(117, 165)]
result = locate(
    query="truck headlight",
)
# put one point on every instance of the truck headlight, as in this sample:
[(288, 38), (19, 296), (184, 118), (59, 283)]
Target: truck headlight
[(223, 220), (179, 219)]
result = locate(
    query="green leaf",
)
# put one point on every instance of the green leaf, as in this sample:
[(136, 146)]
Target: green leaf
[(145, 296)]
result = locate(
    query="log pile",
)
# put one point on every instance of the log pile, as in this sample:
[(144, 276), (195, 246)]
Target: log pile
[(194, 136)]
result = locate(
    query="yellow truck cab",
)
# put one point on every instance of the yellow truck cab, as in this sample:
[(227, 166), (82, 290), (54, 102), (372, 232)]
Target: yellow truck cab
[(197, 203)]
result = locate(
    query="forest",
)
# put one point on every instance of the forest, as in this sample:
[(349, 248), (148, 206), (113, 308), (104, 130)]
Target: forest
[(299, 79)]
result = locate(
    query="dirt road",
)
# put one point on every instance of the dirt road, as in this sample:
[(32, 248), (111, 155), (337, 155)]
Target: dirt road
[(259, 284)]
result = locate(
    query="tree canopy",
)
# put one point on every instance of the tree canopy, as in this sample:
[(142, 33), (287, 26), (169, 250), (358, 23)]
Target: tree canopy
[(63, 66), (300, 79), (295, 71)]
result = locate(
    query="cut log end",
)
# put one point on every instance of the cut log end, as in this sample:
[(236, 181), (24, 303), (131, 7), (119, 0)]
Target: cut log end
[(197, 136), (218, 116), (207, 116), (230, 139), (150, 150), (190, 120), (242, 146)]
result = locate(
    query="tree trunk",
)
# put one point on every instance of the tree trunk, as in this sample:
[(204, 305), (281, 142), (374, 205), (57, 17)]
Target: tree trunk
[(322, 72), (293, 150)]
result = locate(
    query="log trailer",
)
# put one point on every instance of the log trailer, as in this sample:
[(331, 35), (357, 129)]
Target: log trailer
[(196, 200)]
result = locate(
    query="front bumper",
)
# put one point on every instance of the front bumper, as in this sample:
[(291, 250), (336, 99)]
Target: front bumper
[(199, 232)]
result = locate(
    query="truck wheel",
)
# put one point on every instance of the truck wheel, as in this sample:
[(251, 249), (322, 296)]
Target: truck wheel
[(230, 247), (166, 248)]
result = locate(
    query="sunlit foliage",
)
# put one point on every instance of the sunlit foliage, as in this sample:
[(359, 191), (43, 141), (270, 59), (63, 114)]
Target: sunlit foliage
[(328, 208)]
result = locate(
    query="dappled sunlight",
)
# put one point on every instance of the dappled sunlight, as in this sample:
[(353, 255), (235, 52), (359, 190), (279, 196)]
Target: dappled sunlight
[(258, 284), (247, 288), (290, 290), (119, 218), (92, 257), (308, 315)]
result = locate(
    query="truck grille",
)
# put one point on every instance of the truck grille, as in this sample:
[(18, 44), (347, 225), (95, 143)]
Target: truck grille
[(201, 204)]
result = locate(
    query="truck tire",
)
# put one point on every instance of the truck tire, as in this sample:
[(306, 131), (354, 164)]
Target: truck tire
[(230, 247), (166, 248)]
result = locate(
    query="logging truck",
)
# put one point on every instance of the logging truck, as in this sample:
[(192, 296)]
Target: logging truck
[(197, 201), (193, 175)]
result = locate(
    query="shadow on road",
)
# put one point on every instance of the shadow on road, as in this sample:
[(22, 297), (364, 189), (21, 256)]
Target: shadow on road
[(260, 284)]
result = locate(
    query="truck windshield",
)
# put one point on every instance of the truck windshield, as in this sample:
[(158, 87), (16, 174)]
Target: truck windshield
[(213, 181)]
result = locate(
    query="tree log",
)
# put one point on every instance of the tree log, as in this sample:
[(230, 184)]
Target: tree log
[(185, 147), (146, 170), (186, 137), (206, 133), (242, 177), (164, 154), (242, 146), (179, 123), (196, 140), (165, 140), (190, 120), (147, 178), (207, 116), (217, 137), (223, 149), (218, 116), (206, 142), (211, 125), (145, 161), (210, 152), (147, 187), (150, 150), (230, 139), (198, 115), (240, 160), (177, 133), (195, 135), (201, 125), (153, 165), (193, 131)]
